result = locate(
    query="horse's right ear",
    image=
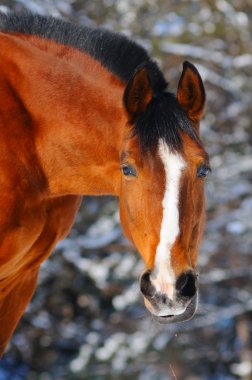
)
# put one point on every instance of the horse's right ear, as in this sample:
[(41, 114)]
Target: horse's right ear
[(138, 92)]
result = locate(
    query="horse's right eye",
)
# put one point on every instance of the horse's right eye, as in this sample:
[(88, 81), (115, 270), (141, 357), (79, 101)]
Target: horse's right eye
[(129, 170), (203, 171)]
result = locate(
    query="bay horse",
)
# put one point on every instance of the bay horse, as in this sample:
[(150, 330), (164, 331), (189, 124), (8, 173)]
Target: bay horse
[(85, 111)]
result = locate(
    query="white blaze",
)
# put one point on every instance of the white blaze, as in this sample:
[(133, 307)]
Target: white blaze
[(164, 278)]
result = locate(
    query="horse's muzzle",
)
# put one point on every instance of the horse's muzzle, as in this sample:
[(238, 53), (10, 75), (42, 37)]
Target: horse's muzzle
[(183, 304), (185, 316)]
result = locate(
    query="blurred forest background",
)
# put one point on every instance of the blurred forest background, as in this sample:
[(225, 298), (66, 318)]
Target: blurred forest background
[(87, 319)]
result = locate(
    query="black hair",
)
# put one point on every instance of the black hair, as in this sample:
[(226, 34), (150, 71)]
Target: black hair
[(163, 119)]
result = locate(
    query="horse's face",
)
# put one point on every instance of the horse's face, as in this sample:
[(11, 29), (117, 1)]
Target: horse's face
[(162, 195)]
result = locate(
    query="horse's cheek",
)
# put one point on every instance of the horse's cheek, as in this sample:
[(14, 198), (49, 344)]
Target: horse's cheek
[(124, 217)]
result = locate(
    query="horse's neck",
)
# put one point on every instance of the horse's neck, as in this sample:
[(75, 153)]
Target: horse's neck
[(76, 109)]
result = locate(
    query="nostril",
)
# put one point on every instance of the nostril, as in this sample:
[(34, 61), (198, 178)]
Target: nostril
[(187, 284), (163, 298), (146, 286)]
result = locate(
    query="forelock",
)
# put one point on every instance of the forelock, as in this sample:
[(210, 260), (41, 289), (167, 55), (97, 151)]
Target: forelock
[(164, 119)]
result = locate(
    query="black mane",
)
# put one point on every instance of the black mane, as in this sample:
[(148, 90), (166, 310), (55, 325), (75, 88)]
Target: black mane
[(163, 119), (115, 51)]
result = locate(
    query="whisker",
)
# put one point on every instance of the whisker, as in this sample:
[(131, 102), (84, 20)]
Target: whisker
[(172, 372)]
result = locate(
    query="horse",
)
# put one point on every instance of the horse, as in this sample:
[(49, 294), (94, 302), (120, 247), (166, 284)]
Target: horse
[(86, 111)]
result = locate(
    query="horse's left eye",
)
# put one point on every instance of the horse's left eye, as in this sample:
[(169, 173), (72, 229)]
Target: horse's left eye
[(129, 170), (203, 171)]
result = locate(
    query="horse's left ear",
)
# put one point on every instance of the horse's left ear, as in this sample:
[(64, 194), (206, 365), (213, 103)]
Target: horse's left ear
[(138, 92), (191, 93)]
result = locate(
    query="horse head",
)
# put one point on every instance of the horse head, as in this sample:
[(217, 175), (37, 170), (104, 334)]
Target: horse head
[(162, 205)]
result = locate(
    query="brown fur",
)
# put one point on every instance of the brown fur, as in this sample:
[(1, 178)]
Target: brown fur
[(62, 133)]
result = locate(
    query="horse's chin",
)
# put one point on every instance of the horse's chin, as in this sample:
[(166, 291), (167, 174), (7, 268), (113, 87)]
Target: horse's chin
[(185, 316)]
